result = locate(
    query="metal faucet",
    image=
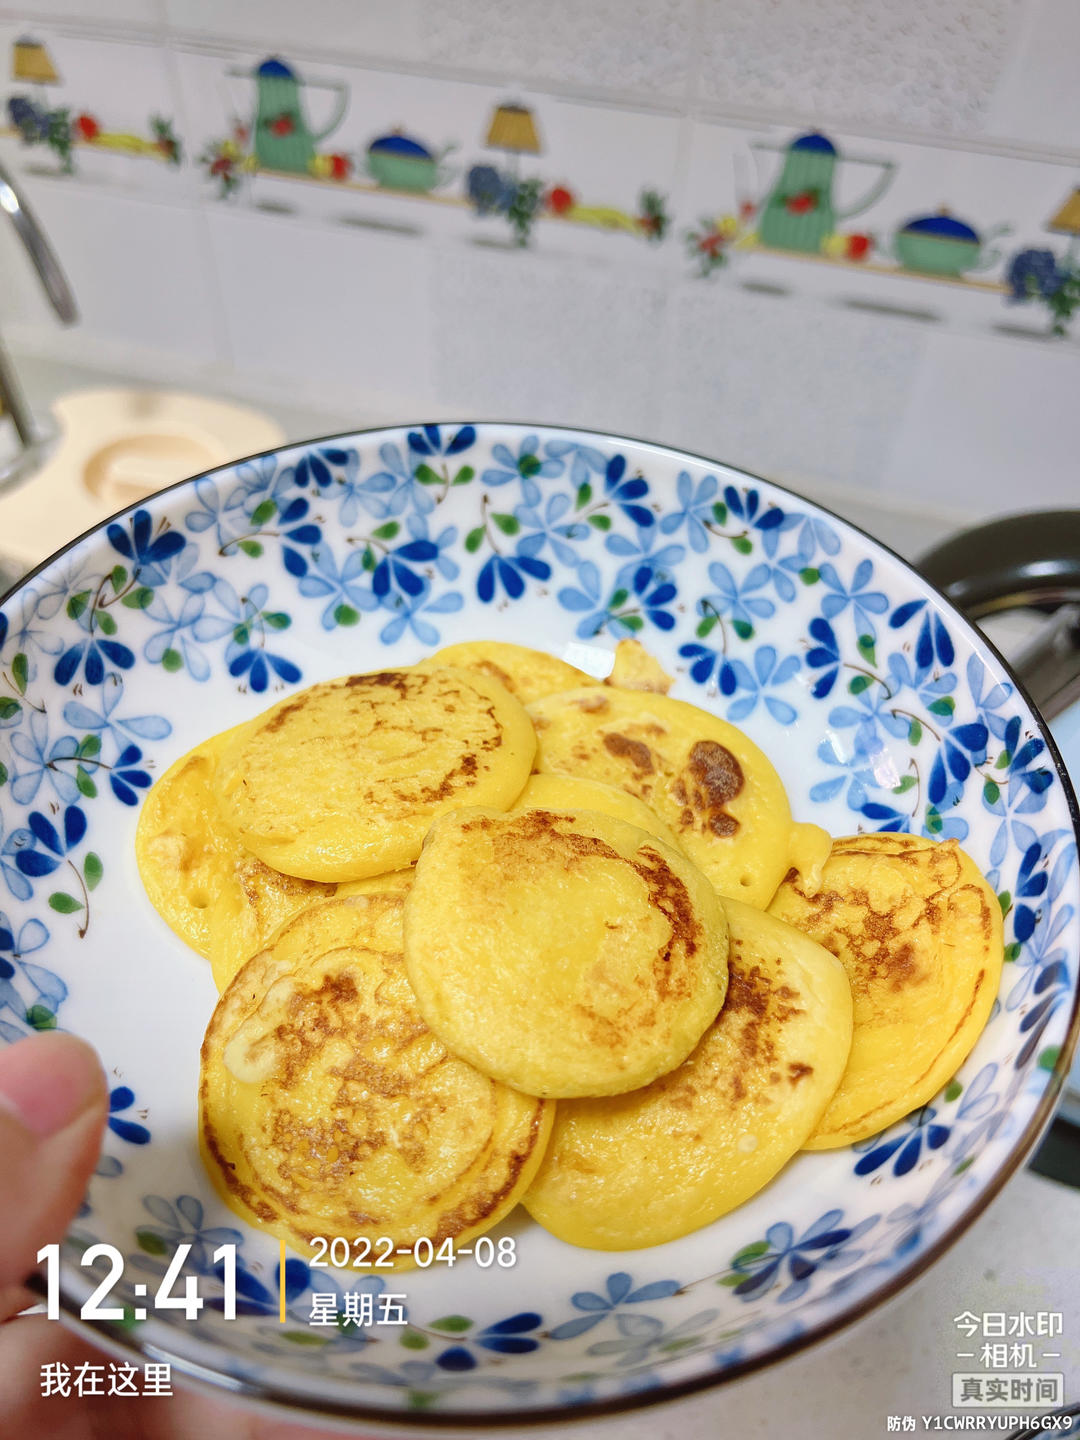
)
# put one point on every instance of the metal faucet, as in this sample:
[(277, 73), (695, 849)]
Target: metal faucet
[(35, 439)]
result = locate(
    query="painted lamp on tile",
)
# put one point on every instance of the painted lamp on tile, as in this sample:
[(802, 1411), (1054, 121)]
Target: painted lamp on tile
[(400, 163), (799, 212), (31, 64), (1066, 221), (30, 61), (942, 245), (283, 138), (513, 129)]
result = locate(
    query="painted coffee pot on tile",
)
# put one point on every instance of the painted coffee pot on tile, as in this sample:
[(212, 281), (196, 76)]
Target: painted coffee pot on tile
[(283, 138), (800, 212)]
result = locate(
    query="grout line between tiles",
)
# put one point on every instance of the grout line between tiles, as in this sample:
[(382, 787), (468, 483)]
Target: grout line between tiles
[(222, 338)]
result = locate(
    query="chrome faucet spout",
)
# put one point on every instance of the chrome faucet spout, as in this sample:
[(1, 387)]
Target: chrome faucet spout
[(34, 440), (40, 251)]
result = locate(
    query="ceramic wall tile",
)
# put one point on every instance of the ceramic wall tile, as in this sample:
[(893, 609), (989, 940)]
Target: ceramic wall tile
[(808, 397), (138, 270), (638, 145), (996, 436), (1038, 99), (872, 192), (561, 341), (642, 47), (340, 315), (928, 65), (593, 161), (141, 14), (348, 28), (122, 124)]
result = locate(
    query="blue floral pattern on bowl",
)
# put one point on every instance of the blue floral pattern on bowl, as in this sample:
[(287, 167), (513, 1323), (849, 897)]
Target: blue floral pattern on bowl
[(880, 706)]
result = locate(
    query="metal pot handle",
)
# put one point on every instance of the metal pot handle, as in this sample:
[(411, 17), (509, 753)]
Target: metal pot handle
[(1029, 561)]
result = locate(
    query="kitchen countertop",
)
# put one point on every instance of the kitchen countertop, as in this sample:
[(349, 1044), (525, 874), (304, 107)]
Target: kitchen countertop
[(898, 1361)]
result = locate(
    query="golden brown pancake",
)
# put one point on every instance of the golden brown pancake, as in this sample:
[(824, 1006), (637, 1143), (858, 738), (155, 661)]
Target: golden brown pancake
[(919, 933), (526, 673), (327, 1107), (396, 882), (185, 853), (567, 792), (704, 778), (253, 905), (342, 780), (634, 1170), (564, 953)]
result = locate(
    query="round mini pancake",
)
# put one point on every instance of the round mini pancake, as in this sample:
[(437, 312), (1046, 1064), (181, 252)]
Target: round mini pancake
[(635, 1170), (919, 933), (568, 792), (185, 852), (526, 673), (342, 780), (328, 1108), (707, 780), (564, 953), (254, 904)]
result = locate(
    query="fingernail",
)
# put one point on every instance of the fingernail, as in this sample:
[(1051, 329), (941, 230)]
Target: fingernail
[(48, 1081)]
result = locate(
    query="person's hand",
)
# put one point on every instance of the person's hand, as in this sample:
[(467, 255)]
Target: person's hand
[(53, 1106)]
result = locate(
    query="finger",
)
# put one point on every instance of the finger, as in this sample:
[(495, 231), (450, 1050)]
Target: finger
[(53, 1104), (15, 1299)]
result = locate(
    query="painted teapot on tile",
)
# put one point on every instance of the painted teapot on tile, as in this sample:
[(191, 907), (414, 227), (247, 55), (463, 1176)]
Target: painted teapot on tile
[(943, 245), (282, 137), (800, 213)]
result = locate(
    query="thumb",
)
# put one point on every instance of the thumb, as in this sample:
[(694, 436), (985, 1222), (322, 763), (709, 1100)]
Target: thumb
[(53, 1104)]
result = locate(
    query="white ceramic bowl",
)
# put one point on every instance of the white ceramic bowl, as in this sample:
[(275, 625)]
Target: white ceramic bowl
[(880, 706)]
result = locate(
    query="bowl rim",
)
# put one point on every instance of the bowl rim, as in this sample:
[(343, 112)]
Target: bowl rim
[(283, 1399)]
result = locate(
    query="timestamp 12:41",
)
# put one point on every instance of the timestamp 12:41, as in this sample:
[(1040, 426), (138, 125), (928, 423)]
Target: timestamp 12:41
[(337, 1252)]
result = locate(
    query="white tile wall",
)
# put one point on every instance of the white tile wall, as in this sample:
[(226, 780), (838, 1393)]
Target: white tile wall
[(986, 190), (999, 437), (1038, 98), (384, 306), (928, 65), (567, 341), (340, 315), (603, 152), (120, 85), (138, 271), (810, 396), (350, 28), (642, 46), (31, 14)]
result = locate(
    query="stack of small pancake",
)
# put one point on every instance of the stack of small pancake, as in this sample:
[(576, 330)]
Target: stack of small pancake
[(489, 931)]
